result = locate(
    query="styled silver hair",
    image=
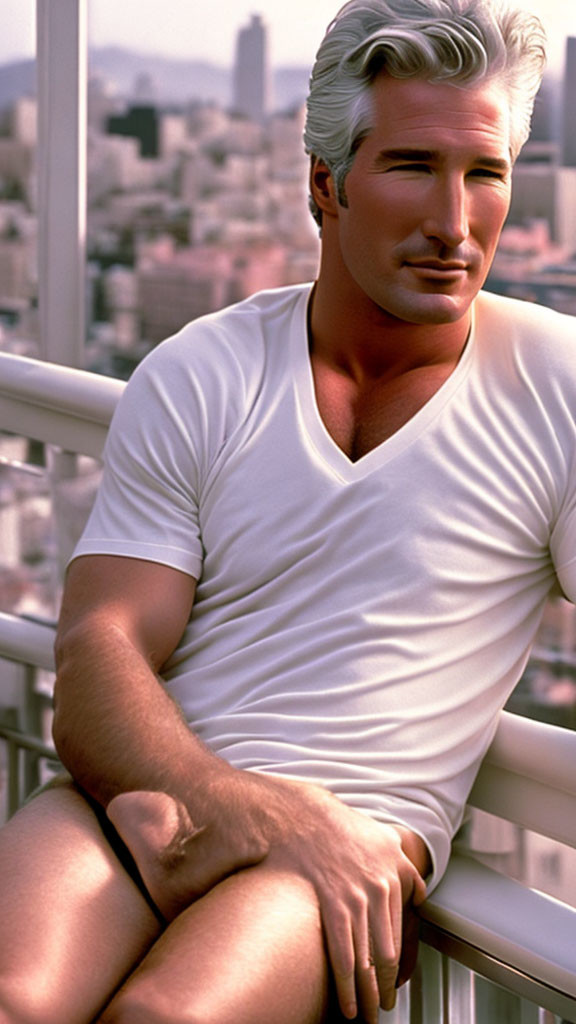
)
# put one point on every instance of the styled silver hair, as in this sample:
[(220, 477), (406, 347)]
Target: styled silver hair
[(464, 42)]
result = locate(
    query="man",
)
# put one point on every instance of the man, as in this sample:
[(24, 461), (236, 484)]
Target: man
[(330, 519)]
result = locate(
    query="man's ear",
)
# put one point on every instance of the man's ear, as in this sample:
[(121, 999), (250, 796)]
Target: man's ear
[(322, 188)]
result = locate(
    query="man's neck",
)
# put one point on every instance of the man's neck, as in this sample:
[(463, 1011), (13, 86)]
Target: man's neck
[(372, 372), (362, 341)]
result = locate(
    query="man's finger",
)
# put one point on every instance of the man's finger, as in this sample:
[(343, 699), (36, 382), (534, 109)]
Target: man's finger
[(409, 955), (386, 933), (341, 954), (366, 979)]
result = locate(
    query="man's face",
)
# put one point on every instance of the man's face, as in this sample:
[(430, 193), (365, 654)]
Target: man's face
[(427, 196)]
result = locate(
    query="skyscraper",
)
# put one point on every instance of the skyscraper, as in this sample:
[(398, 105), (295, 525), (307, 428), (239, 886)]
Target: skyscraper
[(569, 114), (252, 71)]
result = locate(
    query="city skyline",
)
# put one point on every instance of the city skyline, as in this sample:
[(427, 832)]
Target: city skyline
[(295, 30)]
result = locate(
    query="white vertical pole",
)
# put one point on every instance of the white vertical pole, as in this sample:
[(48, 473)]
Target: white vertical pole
[(461, 1002), (62, 62), (429, 996)]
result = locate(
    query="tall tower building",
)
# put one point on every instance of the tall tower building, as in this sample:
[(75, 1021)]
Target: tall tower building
[(252, 71), (569, 113)]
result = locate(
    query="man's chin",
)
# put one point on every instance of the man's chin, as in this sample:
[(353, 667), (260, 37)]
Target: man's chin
[(433, 309)]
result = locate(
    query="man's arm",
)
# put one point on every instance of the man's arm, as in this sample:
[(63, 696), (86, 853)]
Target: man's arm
[(114, 725), (117, 731)]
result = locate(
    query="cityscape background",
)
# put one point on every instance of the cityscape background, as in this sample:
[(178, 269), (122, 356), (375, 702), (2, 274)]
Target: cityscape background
[(197, 196)]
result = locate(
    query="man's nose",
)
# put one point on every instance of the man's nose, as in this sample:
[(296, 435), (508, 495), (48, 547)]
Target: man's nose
[(447, 219)]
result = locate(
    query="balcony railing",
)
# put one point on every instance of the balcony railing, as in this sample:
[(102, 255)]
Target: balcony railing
[(521, 940)]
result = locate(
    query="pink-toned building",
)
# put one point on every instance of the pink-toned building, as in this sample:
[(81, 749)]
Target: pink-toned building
[(179, 285)]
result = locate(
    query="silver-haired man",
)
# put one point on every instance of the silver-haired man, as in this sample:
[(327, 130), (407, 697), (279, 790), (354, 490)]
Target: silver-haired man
[(329, 521)]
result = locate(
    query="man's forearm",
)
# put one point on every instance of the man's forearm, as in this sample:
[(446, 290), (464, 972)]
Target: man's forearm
[(115, 727)]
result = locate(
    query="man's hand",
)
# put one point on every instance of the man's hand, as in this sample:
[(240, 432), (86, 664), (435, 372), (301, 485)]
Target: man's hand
[(364, 881), (365, 886)]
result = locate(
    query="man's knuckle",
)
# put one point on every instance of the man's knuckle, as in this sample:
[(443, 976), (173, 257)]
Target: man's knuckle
[(369, 969), (383, 889), (386, 962), (359, 903)]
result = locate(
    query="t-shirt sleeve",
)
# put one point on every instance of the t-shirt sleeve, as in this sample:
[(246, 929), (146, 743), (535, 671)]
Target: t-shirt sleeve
[(147, 503)]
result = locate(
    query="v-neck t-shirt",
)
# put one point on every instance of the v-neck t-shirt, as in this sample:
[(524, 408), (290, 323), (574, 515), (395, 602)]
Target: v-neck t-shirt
[(357, 623)]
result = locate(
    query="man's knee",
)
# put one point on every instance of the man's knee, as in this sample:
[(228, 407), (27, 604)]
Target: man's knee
[(134, 1007), (147, 1003)]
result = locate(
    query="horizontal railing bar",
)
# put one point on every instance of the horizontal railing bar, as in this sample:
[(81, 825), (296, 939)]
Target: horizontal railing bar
[(25, 741), (528, 777), (62, 429), (27, 642), (83, 394), (22, 467), (536, 750), (526, 802), (55, 404)]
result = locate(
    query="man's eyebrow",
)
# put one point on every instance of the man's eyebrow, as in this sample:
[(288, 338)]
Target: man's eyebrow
[(390, 155), (386, 156)]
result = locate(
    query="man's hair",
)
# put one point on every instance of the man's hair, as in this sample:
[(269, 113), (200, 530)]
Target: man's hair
[(464, 42)]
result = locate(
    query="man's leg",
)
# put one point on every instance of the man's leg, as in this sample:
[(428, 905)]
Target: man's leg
[(72, 921), (249, 952)]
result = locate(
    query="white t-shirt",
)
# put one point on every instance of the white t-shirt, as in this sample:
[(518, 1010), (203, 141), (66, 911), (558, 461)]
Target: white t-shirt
[(361, 623)]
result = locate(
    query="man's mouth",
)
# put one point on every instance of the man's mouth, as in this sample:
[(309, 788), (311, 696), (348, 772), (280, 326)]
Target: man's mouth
[(443, 266), (438, 272)]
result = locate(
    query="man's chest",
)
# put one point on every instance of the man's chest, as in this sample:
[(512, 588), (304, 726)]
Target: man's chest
[(360, 417)]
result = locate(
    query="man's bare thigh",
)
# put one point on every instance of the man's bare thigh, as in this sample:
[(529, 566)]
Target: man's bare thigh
[(73, 922), (249, 952)]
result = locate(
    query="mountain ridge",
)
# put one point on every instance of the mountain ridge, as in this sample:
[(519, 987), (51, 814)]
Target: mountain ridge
[(176, 80)]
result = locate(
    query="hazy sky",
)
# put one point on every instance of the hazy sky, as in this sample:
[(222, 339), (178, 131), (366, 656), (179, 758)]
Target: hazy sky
[(207, 28)]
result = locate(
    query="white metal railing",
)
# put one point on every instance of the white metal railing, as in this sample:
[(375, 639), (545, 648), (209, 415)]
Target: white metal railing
[(493, 924), (30, 643), (529, 777), (56, 404), (62, 100), (519, 938)]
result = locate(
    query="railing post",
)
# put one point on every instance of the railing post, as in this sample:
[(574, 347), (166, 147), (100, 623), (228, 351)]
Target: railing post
[(460, 993), (427, 1004), (62, 77), (9, 717), (32, 723)]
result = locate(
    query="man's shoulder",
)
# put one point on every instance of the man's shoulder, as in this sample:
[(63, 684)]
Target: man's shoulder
[(262, 315), (535, 334), (530, 350), (220, 361), (520, 316)]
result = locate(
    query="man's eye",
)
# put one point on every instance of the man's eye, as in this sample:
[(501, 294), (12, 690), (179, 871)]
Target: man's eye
[(488, 172), (409, 167)]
